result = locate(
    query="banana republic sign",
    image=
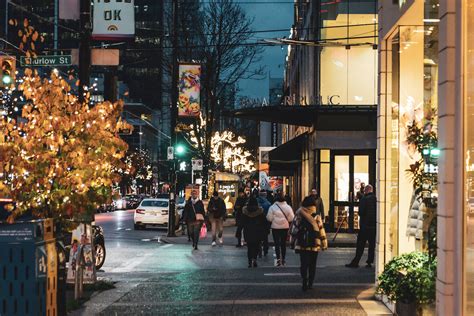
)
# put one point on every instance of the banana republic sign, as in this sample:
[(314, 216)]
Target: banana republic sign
[(113, 20), (335, 99)]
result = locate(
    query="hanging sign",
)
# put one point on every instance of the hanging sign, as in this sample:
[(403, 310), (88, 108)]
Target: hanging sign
[(189, 86), (113, 19)]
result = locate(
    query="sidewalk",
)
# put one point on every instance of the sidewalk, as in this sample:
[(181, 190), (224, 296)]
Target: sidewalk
[(343, 240)]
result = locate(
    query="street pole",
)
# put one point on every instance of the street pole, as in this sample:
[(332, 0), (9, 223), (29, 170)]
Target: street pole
[(174, 114), (84, 48), (56, 23)]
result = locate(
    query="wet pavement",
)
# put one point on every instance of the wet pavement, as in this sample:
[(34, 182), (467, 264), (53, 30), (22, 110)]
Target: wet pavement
[(157, 278)]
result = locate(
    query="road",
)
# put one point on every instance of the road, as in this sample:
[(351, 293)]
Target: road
[(157, 278)]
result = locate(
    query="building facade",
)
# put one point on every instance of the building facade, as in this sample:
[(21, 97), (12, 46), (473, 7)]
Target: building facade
[(425, 78), (331, 67)]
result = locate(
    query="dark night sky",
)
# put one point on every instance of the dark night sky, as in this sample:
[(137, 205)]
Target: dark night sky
[(268, 16)]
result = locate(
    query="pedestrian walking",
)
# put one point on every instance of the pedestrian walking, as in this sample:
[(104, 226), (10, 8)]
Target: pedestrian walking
[(253, 222), (309, 238), (319, 204), (368, 224), (216, 211), (280, 215), (193, 214), (238, 206), (265, 205)]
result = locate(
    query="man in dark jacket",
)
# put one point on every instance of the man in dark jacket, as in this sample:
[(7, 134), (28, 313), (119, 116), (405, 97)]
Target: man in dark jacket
[(216, 210), (192, 207), (319, 203), (239, 204), (368, 224)]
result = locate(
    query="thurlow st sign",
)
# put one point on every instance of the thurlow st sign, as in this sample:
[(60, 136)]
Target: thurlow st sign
[(41, 61)]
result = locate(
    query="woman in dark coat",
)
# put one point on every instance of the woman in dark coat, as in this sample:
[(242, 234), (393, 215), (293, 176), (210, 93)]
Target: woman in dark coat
[(253, 221)]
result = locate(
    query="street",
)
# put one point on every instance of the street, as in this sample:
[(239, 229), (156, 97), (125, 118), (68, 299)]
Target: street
[(158, 278)]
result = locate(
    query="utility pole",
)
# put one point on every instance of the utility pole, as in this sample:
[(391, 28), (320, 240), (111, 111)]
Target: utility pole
[(174, 114), (84, 48)]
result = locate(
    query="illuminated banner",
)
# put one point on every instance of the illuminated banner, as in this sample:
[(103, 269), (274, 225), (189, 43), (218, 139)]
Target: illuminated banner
[(113, 19), (189, 86)]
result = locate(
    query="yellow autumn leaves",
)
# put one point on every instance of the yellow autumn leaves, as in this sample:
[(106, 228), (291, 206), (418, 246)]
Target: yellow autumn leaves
[(60, 157)]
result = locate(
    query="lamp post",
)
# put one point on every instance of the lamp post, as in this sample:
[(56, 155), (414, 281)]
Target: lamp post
[(174, 114)]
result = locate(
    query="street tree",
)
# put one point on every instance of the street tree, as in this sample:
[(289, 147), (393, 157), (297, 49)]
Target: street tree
[(137, 170), (60, 157), (221, 41)]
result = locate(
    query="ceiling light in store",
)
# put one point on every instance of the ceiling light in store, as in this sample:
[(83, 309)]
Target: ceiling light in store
[(431, 20)]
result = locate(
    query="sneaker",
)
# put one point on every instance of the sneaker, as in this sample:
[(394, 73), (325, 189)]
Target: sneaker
[(254, 263), (278, 263), (214, 244), (283, 262), (221, 240)]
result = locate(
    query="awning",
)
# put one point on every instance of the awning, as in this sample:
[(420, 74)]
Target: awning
[(286, 158), (322, 117)]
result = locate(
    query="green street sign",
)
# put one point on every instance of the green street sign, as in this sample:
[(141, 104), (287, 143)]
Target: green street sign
[(45, 60)]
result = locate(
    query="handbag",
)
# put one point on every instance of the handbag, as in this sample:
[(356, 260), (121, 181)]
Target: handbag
[(203, 232), (199, 216)]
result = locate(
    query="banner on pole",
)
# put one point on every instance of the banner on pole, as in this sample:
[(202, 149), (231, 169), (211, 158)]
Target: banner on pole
[(113, 19), (189, 87)]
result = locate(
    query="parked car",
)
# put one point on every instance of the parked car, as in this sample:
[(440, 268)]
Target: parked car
[(180, 205), (99, 245), (153, 212), (106, 207), (132, 200)]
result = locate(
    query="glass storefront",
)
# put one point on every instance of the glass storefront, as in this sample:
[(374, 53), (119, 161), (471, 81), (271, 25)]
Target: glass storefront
[(469, 158), (349, 61), (411, 102)]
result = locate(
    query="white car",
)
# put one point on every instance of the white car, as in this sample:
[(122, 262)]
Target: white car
[(152, 212)]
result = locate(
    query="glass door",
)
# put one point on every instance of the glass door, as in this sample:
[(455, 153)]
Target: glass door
[(350, 171)]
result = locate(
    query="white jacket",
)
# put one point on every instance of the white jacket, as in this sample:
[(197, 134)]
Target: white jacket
[(275, 215)]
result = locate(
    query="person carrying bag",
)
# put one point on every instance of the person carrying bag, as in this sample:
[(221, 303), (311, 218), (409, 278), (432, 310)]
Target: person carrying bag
[(280, 215), (194, 210), (309, 238)]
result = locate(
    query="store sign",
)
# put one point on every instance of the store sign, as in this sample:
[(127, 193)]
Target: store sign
[(197, 164), (189, 87), (312, 100), (113, 19)]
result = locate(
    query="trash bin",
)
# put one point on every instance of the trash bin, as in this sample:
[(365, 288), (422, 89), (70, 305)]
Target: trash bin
[(28, 268)]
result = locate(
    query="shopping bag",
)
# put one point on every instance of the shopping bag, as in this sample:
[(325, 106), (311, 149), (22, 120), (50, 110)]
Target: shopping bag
[(203, 232)]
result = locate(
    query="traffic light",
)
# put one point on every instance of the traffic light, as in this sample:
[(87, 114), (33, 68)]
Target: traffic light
[(7, 71), (180, 149)]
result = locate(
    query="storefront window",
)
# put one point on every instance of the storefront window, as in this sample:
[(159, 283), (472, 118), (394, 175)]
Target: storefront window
[(469, 158), (349, 63)]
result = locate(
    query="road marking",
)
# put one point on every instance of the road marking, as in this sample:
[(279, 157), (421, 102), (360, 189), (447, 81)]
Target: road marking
[(131, 264), (146, 239), (128, 229), (284, 284), (280, 274), (166, 246), (242, 302)]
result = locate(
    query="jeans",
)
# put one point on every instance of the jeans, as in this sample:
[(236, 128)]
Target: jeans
[(195, 230), (217, 227), (238, 234), (252, 250), (308, 265), (366, 234), (279, 237), (188, 230)]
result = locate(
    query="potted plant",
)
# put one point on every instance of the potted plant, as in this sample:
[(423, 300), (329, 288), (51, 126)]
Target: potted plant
[(409, 280)]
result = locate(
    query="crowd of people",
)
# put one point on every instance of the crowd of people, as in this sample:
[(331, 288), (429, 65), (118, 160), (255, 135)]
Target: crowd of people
[(257, 214)]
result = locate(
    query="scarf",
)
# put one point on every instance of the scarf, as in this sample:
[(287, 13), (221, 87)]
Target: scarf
[(306, 213)]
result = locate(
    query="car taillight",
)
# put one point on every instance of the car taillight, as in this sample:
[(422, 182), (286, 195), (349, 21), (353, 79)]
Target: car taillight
[(139, 211)]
